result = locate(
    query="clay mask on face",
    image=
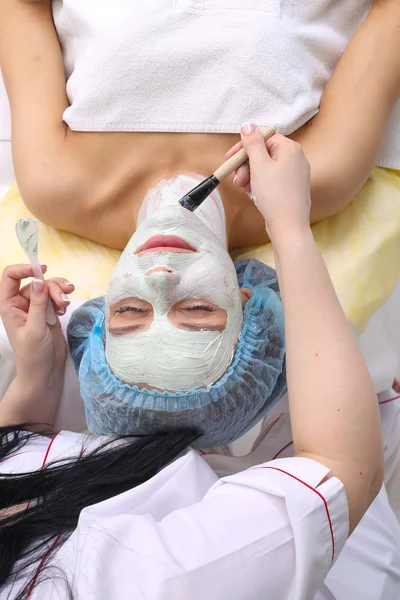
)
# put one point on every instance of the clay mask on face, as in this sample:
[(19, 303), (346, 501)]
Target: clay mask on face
[(168, 193), (165, 356)]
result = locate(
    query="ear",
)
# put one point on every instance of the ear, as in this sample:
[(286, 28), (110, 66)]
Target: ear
[(246, 295)]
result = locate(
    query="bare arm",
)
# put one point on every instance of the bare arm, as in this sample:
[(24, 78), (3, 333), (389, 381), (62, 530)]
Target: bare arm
[(33, 71), (25, 404), (63, 176), (333, 407), (343, 140), (69, 180), (39, 349)]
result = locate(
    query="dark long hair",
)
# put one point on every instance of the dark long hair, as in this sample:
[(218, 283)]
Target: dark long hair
[(29, 537)]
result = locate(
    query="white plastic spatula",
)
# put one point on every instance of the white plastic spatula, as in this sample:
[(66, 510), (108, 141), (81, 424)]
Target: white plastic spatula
[(27, 231)]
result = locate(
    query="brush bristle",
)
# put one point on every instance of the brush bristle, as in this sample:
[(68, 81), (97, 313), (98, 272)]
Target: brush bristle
[(197, 195)]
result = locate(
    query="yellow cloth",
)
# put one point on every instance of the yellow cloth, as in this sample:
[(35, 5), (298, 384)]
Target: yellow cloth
[(361, 247)]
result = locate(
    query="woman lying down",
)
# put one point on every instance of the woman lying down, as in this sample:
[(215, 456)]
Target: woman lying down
[(186, 353), (105, 103)]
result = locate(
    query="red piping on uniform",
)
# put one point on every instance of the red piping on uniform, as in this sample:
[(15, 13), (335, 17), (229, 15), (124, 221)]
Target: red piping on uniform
[(282, 449), (318, 494), (390, 400), (44, 558)]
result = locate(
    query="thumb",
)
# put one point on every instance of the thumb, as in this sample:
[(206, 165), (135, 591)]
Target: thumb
[(39, 298), (254, 144)]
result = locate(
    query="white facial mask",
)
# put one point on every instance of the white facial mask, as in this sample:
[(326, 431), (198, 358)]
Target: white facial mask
[(164, 356), (168, 193)]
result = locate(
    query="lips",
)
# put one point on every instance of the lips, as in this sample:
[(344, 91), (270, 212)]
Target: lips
[(165, 243)]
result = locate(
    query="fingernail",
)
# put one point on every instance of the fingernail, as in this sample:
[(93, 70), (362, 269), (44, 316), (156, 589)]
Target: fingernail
[(252, 197), (38, 286), (248, 128), (234, 180), (61, 311), (68, 283), (65, 297)]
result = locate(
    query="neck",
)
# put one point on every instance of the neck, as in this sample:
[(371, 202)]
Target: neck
[(168, 193)]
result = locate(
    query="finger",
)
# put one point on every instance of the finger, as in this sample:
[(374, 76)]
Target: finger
[(276, 144), (59, 290), (13, 319), (66, 286), (11, 280), (242, 176), (56, 287), (69, 287), (39, 299), (13, 313), (254, 144), (60, 299), (20, 302), (234, 149)]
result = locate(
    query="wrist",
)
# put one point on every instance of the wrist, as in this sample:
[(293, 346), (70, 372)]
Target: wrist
[(285, 236), (31, 401), (38, 385)]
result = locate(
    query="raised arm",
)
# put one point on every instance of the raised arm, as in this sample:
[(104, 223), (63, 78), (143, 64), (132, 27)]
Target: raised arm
[(39, 349), (342, 142), (333, 406)]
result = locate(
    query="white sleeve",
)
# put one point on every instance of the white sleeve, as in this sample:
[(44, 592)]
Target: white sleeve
[(272, 531)]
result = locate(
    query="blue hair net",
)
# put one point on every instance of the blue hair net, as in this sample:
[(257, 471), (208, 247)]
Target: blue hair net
[(223, 411)]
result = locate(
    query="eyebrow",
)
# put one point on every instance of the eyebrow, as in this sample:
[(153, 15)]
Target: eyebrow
[(123, 330)]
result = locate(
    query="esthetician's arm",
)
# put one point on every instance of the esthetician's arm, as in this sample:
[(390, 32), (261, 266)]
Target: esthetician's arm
[(39, 349), (333, 407), (343, 140)]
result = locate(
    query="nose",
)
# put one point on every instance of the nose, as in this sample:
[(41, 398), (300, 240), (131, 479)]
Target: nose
[(162, 278)]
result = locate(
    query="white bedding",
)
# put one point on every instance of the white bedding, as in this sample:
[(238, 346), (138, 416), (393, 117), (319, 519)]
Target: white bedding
[(6, 168)]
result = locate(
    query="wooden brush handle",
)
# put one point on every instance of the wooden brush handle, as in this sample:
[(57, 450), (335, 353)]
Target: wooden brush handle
[(229, 166)]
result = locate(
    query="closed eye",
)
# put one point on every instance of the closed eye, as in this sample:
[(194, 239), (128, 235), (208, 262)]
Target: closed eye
[(199, 327), (200, 307), (124, 330), (135, 309)]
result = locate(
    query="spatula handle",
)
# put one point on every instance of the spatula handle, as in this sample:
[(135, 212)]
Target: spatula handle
[(37, 272)]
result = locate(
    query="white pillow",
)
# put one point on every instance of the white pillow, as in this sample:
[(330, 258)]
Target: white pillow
[(6, 168)]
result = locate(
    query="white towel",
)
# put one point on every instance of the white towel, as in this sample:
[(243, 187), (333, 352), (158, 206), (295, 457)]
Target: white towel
[(200, 65)]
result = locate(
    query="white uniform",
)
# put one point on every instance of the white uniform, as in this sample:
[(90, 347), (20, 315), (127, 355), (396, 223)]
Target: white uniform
[(368, 568), (273, 531)]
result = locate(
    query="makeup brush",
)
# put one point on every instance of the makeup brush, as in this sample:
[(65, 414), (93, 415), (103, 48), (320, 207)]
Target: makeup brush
[(197, 195)]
